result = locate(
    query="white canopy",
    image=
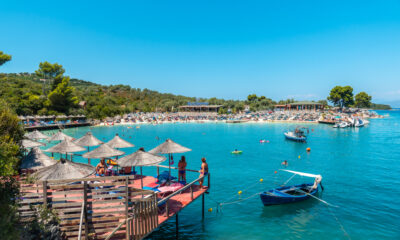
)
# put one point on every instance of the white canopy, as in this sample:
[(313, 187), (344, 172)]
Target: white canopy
[(303, 174)]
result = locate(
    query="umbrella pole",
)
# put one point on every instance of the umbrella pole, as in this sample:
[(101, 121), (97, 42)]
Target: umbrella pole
[(141, 177), (169, 166), (88, 160)]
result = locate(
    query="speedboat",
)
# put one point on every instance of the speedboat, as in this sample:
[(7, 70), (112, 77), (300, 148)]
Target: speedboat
[(294, 193), (297, 135), (343, 124)]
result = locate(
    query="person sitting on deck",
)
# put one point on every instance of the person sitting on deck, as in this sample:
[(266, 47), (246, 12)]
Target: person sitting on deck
[(203, 171), (182, 169), (101, 167)]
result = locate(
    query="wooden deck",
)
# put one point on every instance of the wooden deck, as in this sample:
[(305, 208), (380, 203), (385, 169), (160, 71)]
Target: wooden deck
[(107, 207)]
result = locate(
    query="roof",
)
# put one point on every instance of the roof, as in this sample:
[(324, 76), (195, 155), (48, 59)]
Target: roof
[(199, 106), (305, 103)]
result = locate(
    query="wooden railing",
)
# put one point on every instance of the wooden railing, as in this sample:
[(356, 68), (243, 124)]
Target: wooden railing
[(106, 202)]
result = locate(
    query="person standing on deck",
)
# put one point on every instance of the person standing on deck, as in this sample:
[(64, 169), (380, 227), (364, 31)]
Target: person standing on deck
[(203, 171), (182, 169)]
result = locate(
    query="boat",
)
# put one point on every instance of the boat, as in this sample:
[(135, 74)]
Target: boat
[(297, 135), (341, 124), (294, 193), (359, 123)]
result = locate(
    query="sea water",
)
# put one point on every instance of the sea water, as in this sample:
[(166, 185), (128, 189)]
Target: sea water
[(360, 169)]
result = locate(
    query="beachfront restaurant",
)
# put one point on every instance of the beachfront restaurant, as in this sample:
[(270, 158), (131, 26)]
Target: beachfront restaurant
[(299, 106), (199, 107)]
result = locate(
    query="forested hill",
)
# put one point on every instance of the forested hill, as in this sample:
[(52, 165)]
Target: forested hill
[(24, 93)]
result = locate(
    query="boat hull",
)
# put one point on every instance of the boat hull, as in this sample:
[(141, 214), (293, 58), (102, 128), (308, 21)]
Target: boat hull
[(294, 138), (279, 196)]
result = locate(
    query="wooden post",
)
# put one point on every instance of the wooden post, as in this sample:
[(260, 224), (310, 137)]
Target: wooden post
[(208, 180), (191, 191), (88, 160), (202, 206), (85, 209), (177, 226), (126, 205), (158, 171), (166, 208), (45, 193)]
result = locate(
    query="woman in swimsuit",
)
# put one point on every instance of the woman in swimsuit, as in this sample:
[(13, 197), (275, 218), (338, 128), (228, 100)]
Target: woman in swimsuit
[(101, 167), (203, 171), (182, 169)]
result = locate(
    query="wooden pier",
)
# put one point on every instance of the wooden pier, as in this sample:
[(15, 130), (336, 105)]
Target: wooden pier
[(108, 207), (57, 126)]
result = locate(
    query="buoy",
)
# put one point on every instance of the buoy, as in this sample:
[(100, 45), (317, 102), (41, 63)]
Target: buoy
[(210, 209), (308, 149), (240, 192), (299, 156), (261, 180), (276, 172)]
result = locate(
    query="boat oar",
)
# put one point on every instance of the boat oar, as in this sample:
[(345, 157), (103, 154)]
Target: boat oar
[(317, 198)]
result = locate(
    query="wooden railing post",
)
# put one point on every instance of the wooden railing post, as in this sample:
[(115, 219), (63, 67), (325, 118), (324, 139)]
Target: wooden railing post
[(126, 205), (191, 191), (208, 180), (45, 193), (85, 189)]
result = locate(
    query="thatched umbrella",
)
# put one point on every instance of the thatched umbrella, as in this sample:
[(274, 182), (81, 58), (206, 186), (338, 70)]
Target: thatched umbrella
[(60, 136), (88, 140), (64, 169), (35, 135), (27, 143), (66, 146), (140, 158), (169, 147), (36, 159), (104, 151), (118, 142)]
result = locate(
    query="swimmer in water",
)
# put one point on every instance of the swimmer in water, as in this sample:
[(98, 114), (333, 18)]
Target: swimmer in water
[(285, 163)]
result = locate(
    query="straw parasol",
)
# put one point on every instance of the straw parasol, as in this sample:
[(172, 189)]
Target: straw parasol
[(60, 136), (64, 169), (140, 158), (36, 159), (66, 146), (169, 147), (35, 135), (104, 151), (27, 143), (118, 142), (88, 140)]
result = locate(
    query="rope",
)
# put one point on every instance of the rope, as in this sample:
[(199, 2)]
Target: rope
[(340, 224), (241, 200)]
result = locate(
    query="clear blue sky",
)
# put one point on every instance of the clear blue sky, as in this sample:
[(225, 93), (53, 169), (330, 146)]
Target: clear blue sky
[(227, 49)]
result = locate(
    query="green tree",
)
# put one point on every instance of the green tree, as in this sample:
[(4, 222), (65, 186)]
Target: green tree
[(341, 96), (4, 58), (52, 71), (363, 100), (62, 98), (252, 98), (11, 133)]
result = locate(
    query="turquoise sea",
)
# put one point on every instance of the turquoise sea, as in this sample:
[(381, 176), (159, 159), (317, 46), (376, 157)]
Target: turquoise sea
[(360, 170)]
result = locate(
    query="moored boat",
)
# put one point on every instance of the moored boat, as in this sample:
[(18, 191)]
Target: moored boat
[(294, 193), (297, 135)]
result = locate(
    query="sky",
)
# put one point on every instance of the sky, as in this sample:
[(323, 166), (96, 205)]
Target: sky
[(225, 49)]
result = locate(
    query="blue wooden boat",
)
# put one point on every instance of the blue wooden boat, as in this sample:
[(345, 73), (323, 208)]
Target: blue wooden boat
[(294, 193), (288, 194)]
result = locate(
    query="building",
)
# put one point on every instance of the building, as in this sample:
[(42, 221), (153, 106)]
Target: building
[(298, 106), (199, 107)]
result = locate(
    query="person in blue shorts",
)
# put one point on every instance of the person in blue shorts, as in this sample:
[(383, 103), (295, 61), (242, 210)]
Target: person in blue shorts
[(182, 169)]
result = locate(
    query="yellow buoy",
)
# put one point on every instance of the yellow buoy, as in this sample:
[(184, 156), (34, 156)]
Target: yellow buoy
[(240, 192), (261, 180), (299, 156), (210, 209)]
